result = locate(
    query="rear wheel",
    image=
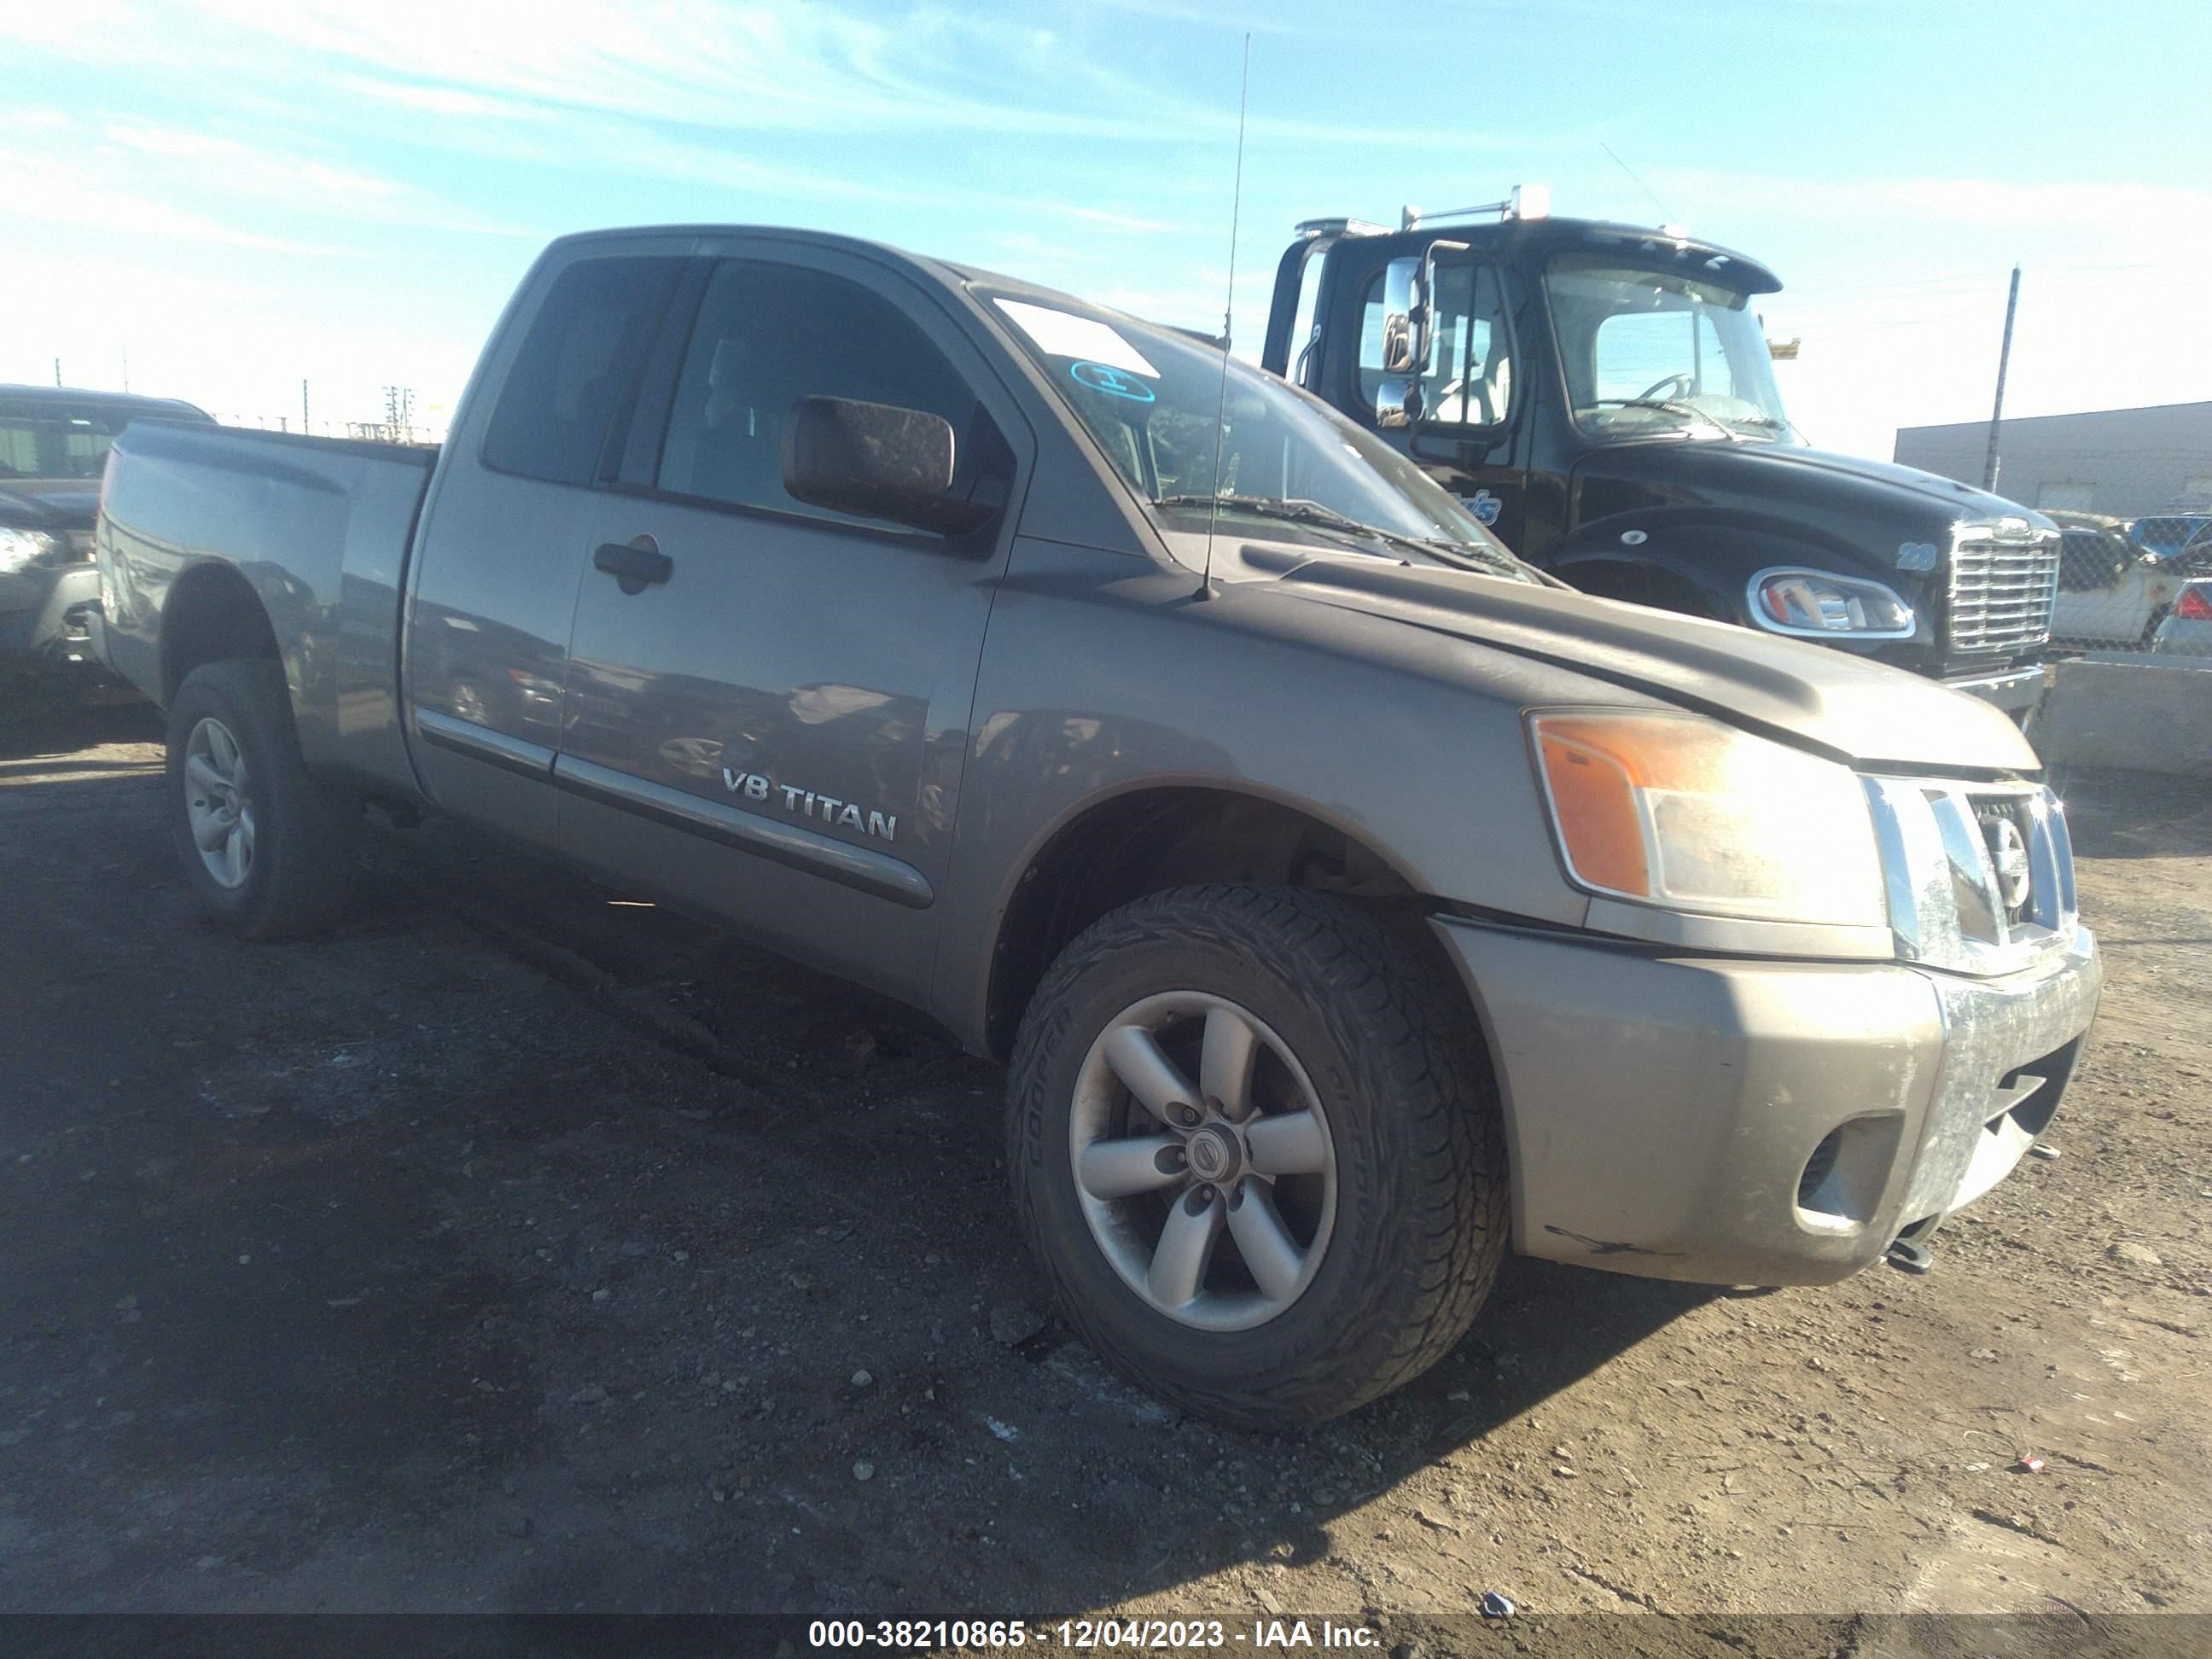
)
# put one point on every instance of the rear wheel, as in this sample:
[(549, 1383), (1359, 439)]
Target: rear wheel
[(267, 851), (1255, 1151)]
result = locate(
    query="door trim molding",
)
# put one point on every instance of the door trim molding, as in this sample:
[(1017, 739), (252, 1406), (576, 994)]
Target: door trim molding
[(860, 867), (531, 760)]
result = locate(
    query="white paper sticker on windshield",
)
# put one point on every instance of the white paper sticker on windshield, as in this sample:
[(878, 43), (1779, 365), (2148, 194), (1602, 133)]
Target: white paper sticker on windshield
[(1063, 334)]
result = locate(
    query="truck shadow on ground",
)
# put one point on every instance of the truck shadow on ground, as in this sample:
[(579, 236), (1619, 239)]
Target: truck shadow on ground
[(376, 1270), (859, 1096), (36, 722)]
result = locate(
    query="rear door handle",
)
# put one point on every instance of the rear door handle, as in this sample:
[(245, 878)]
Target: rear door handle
[(634, 563)]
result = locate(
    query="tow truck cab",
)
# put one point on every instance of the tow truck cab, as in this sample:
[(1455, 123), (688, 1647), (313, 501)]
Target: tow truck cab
[(1603, 395)]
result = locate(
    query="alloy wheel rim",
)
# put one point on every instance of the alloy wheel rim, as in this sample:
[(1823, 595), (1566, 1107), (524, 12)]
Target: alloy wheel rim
[(1203, 1161), (217, 805)]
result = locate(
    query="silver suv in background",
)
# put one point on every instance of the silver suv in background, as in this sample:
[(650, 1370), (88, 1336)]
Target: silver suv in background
[(53, 447)]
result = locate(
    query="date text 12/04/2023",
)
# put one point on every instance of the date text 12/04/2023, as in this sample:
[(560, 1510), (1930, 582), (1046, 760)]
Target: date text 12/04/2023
[(1094, 1635)]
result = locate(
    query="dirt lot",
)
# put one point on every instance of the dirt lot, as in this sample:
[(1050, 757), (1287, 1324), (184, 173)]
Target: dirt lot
[(520, 1249)]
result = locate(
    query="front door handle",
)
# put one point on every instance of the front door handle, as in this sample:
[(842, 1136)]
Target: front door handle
[(634, 563)]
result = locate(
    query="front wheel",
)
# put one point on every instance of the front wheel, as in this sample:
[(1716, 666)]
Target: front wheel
[(267, 851), (1257, 1152)]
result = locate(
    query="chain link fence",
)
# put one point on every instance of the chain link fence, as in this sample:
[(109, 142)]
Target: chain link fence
[(2136, 585), (2130, 490)]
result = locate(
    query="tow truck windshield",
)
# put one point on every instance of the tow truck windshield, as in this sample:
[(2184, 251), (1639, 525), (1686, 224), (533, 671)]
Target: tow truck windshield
[(1647, 351), (1155, 400)]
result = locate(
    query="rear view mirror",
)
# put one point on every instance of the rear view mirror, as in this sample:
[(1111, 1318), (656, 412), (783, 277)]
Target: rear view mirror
[(1403, 347), (877, 461), (1409, 338), (1405, 342)]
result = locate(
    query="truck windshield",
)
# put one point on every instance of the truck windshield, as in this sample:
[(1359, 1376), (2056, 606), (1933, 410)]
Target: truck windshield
[(1647, 351), (1154, 400)]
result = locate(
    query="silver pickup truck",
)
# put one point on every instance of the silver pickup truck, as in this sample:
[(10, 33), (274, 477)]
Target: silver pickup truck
[(1352, 902)]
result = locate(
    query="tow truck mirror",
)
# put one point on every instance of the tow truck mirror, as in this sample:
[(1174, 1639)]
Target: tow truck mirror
[(1405, 342), (1404, 319), (1397, 401), (877, 461)]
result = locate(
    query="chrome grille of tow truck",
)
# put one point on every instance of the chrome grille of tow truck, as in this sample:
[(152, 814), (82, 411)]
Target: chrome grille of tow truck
[(2002, 592)]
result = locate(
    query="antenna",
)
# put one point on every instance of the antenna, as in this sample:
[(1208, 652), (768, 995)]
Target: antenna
[(1636, 180), (1228, 308)]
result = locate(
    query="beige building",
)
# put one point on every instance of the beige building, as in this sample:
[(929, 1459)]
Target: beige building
[(2125, 462)]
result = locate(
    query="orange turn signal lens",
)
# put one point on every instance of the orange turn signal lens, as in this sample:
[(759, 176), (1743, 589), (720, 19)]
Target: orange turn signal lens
[(1594, 799)]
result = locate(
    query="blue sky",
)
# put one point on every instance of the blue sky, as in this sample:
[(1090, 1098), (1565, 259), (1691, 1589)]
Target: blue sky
[(242, 192)]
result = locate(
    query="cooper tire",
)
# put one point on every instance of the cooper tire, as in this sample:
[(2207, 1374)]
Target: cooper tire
[(1348, 1015), (268, 852)]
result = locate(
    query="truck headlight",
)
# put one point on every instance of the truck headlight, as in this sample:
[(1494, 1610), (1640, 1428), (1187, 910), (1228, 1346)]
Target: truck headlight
[(1682, 811), (1819, 603), (20, 549)]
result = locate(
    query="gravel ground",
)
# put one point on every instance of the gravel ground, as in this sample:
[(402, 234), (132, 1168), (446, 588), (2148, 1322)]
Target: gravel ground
[(516, 1248)]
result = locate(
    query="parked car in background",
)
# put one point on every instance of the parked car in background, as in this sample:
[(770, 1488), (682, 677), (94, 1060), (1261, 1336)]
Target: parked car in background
[(2186, 630), (2181, 535), (53, 447), (2112, 591)]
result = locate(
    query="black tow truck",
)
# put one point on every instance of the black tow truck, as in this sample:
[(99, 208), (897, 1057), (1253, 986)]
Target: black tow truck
[(1603, 397)]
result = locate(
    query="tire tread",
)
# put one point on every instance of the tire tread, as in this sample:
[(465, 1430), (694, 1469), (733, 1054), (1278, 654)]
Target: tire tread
[(1385, 1005)]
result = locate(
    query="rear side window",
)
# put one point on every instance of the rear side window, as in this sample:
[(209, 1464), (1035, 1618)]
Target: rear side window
[(50, 442), (578, 367)]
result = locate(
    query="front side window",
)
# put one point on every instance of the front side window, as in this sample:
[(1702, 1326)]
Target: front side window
[(56, 443), (1189, 444), (1469, 379), (578, 368), (1650, 351), (768, 336)]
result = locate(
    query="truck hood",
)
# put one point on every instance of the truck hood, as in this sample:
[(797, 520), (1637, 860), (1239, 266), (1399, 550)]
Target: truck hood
[(1740, 472), (49, 503), (1819, 698)]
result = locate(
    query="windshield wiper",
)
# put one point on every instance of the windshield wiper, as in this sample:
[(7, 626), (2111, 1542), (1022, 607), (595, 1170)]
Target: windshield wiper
[(1672, 407), (1301, 511), (1772, 423)]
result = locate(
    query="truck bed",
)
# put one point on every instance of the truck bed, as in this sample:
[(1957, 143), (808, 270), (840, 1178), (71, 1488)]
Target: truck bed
[(317, 527)]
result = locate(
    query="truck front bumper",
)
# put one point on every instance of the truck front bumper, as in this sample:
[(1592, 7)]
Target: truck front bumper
[(2017, 691), (47, 614), (1739, 1121)]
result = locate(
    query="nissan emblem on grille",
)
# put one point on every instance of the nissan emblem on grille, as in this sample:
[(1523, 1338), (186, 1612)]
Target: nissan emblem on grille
[(2008, 859)]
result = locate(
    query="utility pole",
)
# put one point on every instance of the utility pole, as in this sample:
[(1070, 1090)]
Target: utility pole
[(2004, 361), (57, 371), (126, 368), (304, 427)]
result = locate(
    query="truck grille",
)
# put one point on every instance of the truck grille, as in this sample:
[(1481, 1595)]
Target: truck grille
[(1981, 876), (2002, 592)]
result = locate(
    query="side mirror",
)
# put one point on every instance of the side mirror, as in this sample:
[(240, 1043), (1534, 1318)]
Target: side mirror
[(1397, 401), (877, 461), (1404, 319)]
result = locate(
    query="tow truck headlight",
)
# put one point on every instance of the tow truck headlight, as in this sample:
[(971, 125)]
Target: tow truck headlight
[(22, 549), (1819, 603), (1684, 812)]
